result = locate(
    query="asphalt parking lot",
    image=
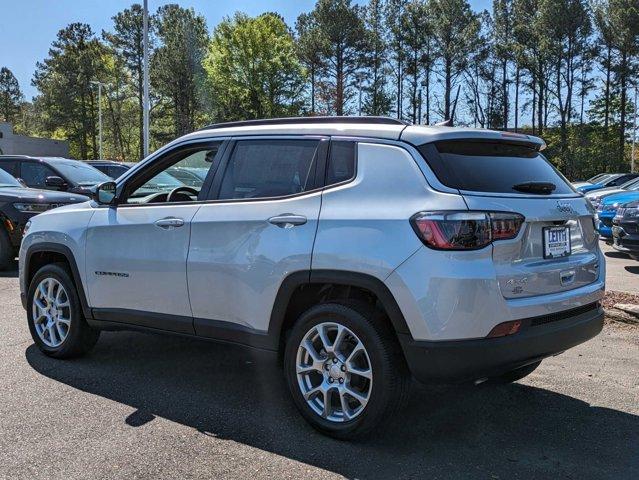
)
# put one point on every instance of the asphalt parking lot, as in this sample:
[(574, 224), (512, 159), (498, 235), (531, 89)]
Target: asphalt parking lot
[(622, 272), (147, 406)]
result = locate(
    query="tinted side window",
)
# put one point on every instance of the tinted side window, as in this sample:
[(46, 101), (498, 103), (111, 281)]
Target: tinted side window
[(269, 168), (103, 168), (9, 167), (490, 166), (341, 164), (115, 171), (35, 174)]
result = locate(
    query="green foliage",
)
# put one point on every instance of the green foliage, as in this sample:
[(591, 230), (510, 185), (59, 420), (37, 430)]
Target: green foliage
[(377, 100), (10, 95), (341, 36), (417, 24), (568, 66), (253, 70), (67, 97), (456, 32), (177, 72), (127, 41), (591, 149), (310, 46)]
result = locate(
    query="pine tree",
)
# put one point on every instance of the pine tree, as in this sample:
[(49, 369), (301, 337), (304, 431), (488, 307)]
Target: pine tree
[(10, 96), (342, 35), (177, 72), (456, 32), (377, 100), (127, 41)]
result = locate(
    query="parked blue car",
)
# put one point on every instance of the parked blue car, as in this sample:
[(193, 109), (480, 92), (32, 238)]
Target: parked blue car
[(607, 210), (613, 180)]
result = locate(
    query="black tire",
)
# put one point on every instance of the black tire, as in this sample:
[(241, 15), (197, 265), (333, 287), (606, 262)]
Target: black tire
[(80, 337), (7, 252), (514, 375), (390, 375)]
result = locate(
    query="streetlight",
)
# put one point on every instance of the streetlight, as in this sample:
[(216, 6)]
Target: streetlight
[(145, 81), (100, 85)]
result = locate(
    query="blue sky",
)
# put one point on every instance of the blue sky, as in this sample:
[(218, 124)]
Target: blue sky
[(27, 27)]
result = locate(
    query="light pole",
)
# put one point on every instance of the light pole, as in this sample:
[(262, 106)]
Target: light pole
[(100, 85), (424, 85), (634, 136), (359, 77), (145, 80)]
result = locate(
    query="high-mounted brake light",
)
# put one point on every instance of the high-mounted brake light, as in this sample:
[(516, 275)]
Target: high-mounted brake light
[(465, 230)]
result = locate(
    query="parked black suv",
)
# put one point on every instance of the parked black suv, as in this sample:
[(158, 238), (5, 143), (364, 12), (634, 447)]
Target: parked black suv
[(625, 229), (17, 205), (109, 167), (52, 173)]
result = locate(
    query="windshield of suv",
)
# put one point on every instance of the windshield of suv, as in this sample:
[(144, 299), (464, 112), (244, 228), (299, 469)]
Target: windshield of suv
[(498, 167), (6, 180), (80, 173)]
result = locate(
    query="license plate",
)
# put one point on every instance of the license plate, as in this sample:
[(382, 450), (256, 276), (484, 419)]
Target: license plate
[(556, 242)]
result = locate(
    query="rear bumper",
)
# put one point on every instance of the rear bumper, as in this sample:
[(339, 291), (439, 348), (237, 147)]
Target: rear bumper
[(467, 360)]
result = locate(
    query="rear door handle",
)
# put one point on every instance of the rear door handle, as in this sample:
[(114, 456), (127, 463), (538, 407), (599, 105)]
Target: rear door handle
[(169, 223), (287, 220)]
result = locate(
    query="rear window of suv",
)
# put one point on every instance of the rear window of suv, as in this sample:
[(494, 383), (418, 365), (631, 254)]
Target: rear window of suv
[(494, 167)]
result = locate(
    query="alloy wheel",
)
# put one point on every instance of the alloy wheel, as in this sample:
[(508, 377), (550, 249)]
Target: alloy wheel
[(51, 312), (334, 372)]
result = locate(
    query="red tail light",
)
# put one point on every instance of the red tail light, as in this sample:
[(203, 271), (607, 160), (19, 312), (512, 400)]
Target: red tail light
[(505, 225), (465, 230)]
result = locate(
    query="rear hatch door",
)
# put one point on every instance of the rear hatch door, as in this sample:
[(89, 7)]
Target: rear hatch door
[(556, 249)]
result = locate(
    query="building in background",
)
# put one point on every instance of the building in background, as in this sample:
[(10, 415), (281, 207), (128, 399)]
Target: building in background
[(11, 144)]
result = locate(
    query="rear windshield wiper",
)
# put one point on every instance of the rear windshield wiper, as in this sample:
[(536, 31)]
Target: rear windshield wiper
[(543, 188)]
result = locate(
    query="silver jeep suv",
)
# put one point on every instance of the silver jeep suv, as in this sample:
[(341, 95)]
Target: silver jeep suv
[(363, 250)]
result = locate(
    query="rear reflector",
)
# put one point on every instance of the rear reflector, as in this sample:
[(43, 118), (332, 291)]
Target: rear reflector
[(504, 329), (465, 230)]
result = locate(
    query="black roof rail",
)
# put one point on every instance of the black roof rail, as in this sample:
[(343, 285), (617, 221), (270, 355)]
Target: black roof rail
[(308, 120)]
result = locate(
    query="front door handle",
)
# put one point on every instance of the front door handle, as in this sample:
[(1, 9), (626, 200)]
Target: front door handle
[(287, 220), (169, 223)]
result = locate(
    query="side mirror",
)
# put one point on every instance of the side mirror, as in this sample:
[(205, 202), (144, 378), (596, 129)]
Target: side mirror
[(54, 181), (22, 182), (104, 193)]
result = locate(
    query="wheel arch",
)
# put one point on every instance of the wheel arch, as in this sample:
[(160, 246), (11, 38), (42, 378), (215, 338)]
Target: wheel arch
[(283, 314), (44, 253)]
